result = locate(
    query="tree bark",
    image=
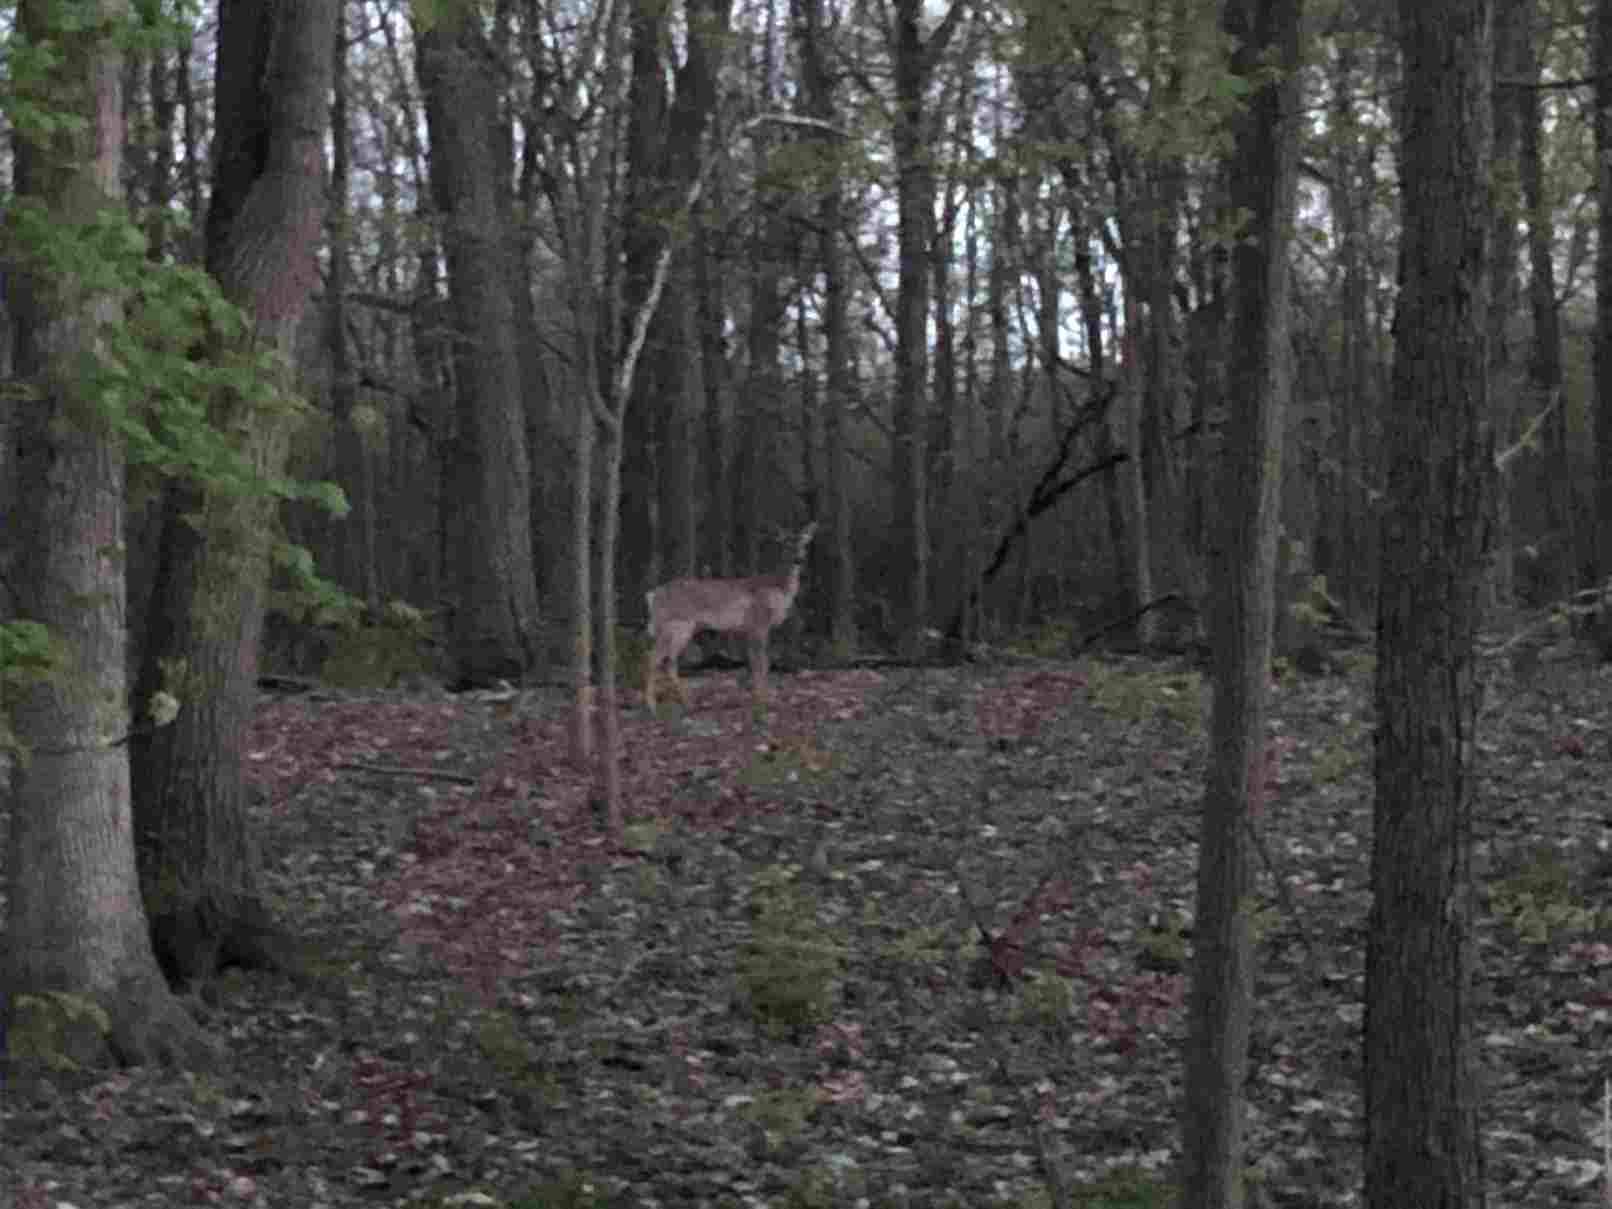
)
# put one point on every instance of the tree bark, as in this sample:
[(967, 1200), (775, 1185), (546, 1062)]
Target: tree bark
[(199, 863), (495, 628), (915, 202), (1553, 469), (1422, 1144), (76, 922), (1263, 176), (818, 83), (1603, 307), (355, 424), (1511, 52), (669, 116)]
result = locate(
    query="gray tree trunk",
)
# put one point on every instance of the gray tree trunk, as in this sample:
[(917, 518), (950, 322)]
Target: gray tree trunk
[(1422, 1146), (495, 620), (76, 922), (1243, 541), (1603, 307)]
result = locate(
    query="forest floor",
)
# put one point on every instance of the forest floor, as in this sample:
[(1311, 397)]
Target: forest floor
[(921, 944)]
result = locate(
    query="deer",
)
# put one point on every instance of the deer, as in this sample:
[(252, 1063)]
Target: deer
[(753, 606)]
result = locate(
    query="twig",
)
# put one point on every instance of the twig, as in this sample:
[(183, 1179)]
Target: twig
[(392, 770)]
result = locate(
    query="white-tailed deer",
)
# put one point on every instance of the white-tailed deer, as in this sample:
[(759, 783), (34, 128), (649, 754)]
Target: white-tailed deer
[(753, 606)]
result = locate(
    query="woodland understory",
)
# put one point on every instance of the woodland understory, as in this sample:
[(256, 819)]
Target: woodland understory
[(777, 990)]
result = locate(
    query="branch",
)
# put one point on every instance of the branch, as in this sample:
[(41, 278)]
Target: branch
[(391, 770), (1503, 459)]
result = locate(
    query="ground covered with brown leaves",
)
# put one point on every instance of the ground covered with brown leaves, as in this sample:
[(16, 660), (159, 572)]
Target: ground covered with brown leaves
[(920, 942)]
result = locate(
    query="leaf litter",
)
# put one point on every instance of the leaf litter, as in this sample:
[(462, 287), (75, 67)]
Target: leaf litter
[(919, 940)]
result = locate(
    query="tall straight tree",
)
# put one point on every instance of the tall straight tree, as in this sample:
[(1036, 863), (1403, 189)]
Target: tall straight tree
[(812, 34), (1603, 309), (669, 111), (75, 921), (494, 633), (914, 64), (1422, 1144), (1262, 175), (198, 864)]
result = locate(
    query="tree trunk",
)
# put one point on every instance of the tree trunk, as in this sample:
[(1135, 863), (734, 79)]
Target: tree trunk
[(754, 464), (1136, 499), (495, 619), (1263, 175), (1349, 572), (1512, 35), (1422, 1144), (915, 192), (198, 861), (1553, 469), (1603, 308), (355, 426), (668, 116), (818, 83), (76, 922), (716, 548)]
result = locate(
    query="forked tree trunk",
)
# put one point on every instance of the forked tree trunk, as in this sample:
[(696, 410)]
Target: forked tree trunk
[(76, 923), (199, 864)]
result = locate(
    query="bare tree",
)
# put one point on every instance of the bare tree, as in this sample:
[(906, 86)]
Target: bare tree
[(1262, 172)]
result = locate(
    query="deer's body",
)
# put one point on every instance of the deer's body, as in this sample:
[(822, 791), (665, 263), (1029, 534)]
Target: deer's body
[(753, 606)]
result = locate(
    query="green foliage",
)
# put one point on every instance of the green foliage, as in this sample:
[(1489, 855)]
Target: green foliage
[(788, 971), (787, 761), (1137, 695), (1049, 640), (1125, 1188), (1164, 944), (1045, 1002), (1357, 665), (29, 653), (58, 1029), (568, 1190), (503, 1045), (824, 1187), (379, 655), (178, 347), (303, 596), (1539, 902), (1343, 754), (632, 650), (924, 945), (780, 1116)]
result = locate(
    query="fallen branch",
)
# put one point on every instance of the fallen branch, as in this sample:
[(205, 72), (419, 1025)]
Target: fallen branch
[(424, 774)]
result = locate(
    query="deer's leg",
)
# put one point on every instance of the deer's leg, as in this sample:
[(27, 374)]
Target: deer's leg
[(670, 639), (758, 668), (650, 669)]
